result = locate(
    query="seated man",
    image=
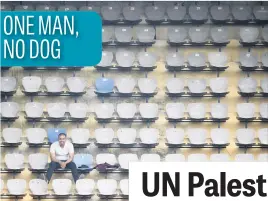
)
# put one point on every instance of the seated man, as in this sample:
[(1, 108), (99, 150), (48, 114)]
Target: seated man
[(62, 154)]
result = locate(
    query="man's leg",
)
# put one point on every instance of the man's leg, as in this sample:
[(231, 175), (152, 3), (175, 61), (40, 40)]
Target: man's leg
[(73, 168), (52, 166)]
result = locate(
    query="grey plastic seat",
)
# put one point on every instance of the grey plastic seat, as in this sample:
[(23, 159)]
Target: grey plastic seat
[(220, 13), (132, 14), (126, 136), (25, 7), (111, 14), (248, 60), (176, 13), (218, 60), (125, 58), (197, 86), (241, 13), (260, 13), (107, 187), (197, 61), (155, 14), (175, 60), (197, 136), (62, 186), (245, 136), (177, 35), (175, 136), (147, 59), (90, 8), (123, 34), (145, 34), (219, 111), (263, 135), (125, 85), (220, 35), (107, 34), (47, 7), (67, 8), (265, 33), (35, 135), (6, 7), (249, 35), (106, 60), (198, 35), (198, 13)]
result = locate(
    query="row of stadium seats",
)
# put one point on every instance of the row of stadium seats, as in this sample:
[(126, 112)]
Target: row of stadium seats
[(164, 13), (147, 136)]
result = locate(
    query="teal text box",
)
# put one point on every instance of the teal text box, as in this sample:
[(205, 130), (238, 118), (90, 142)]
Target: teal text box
[(50, 39)]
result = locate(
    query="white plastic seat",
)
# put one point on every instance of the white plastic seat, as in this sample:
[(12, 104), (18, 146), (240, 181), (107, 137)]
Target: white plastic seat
[(38, 161), (78, 110), (263, 135), (123, 34), (124, 160), (16, 186), (264, 85), (126, 110), (244, 158), (218, 59), (124, 186), (148, 110), (106, 59), (106, 158), (36, 135), (175, 59), (247, 85), (219, 85), (54, 84), (196, 110), (198, 34), (14, 161), (125, 58), (8, 84), (175, 136), (175, 110), (104, 110), (107, 186), (147, 59), (197, 136), (177, 35), (125, 85), (248, 59), (31, 83), (126, 135), (249, 34), (85, 186), (246, 110), (149, 135), (38, 187), (80, 135), (150, 158), (145, 34), (245, 136), (220, 136), (197, 158), (264, 110), (219, 111), (76, 84), (147, 85), (219, 158), (56, 110), (197, 60), (262, 158), (9, 109), (62, 186), (175, 158), (34, 109), (12, 135), (104, 135), (175, 85), (197, 86)]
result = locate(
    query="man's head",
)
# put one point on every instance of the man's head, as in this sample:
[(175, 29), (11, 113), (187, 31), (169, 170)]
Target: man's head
[(62, 139)]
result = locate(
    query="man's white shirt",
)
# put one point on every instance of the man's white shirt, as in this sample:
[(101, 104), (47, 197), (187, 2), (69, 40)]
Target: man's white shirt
[(62, 153)]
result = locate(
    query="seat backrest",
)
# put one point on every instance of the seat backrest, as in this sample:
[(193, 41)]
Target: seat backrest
[(12, 135), (107, 186), (38, 160), (83, 159), (38, 186), (53, 134), (16, 186), (104, 85), (36, 135)]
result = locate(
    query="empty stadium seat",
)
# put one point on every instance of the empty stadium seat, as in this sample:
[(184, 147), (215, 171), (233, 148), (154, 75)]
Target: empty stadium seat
[(155, 14), (38, 187), (56, 110), (175, 110), (242, 13), (249, 35), (94, 8), (62, 186), (150, 158), (67, 8), (78, 110), (196, 110), (220, 35), (106, 60), (145, 35), (220, 136), (264, 85), (260, 13), (220, 13), (34, 109), (263, 135), (125, 85), (218, 60), (80, 136), (8, 84), (149, 136), (45, 8), (176, 13), (104, 85), (124, 187), (198, 35), (106, 158), (244, 158), (175, 136), (84, 162), (124, 160), (104, 135), (197, 136), (147, 85), (245, 110), (76, 84), (198, 13), (54, 84), (9, 109), (12, 135), (31, 83), (107, 34), (123, 34), (53, 133), (125, 59), (14, 161), (177, 35), (175, 86), (219, 158), (264, 110), (85, 186), (35, 135), (245, 136), (175, 158), (148, 110), (16, 186), (247, 85), (147, 60), (197, 158), (25, 7), (248, 60), (219, 85), (175, 60), (126, 136), (126, 110), (219, 111), (104, 110), (263, 158), (38, 161), (264, 60), (111, 14), (107, 187), (132, 14), (197, 61), (197, 86)]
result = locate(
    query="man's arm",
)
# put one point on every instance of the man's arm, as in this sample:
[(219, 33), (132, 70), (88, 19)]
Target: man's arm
[(53, 157), (71, 157)]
